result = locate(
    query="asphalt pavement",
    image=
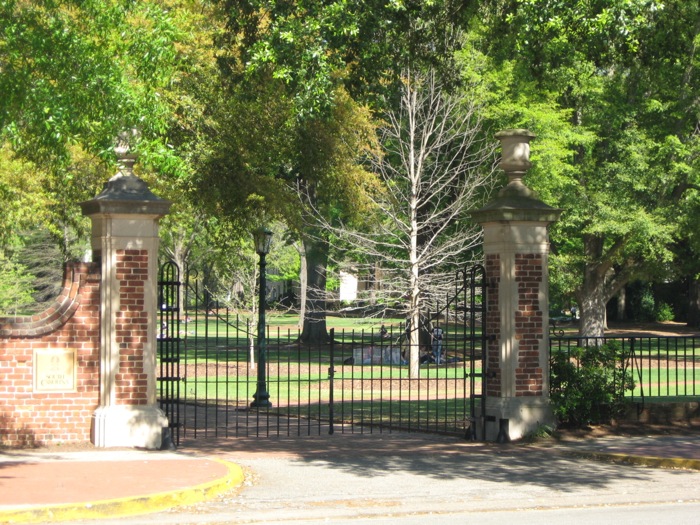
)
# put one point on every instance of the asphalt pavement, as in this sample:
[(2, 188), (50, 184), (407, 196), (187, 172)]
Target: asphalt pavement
[(396, 477)]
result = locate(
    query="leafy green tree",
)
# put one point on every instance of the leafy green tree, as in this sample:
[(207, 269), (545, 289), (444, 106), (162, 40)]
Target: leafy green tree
[(332, 183), (15, 287), (76, 73), (319, 56), (79, 72), (22, 199), (281, 169), (317, 46), (625, 75)]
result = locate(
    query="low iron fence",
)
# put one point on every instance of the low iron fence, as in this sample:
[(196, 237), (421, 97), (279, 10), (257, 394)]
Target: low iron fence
[(660, 366)]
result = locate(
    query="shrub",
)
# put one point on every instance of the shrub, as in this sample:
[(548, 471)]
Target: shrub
[(641, 305), (664, 312), (588, 384)]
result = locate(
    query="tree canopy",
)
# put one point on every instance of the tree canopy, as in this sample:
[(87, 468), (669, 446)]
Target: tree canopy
[(79, 72), (628, 149), (246, 105)]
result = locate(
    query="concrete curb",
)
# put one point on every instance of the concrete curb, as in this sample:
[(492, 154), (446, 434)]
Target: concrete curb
[(129, 506), (647, 461)]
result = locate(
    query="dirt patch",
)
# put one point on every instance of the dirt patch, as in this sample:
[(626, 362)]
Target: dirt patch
[(665, 329)]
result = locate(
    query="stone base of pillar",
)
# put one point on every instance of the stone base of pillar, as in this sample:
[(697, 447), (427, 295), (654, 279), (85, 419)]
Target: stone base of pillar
[(139, 426), (512, 418)]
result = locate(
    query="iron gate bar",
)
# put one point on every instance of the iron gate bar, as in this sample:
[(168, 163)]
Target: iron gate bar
[(477, 275), (211, 361), (331, 376)]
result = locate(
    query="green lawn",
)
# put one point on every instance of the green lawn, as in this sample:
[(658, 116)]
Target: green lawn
[(664, 381), (234, 326), (439, 406)]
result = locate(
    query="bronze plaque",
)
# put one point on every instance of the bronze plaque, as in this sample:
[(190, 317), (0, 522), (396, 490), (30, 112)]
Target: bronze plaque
[(55, 370)]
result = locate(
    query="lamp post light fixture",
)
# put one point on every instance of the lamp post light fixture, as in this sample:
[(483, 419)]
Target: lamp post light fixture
[(262, 238)]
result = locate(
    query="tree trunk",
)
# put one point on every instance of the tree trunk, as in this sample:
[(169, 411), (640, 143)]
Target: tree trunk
[(694, 303), (303, 285), (415, 292), (373, 284), (593, 297), (592, 314), (414, 347), (315, 330)]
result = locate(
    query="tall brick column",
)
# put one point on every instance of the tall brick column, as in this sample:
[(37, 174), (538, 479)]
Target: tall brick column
[(125, 243), (516, 249)]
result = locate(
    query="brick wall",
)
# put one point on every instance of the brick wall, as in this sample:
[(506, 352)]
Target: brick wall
[(529, 320), (131, 327), (493, 326), (29, 417), (528, 329)]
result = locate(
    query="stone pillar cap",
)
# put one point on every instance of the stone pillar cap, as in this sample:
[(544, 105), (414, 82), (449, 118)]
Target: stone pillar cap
[(126, 194), (516, 208), (515, 132)]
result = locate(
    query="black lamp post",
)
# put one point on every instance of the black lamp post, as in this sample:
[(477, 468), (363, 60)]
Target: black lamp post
[(262, 237)]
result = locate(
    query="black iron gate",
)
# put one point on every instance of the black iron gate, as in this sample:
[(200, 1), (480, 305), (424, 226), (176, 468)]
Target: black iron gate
[(358, 382), (465, 307), (169, 341)]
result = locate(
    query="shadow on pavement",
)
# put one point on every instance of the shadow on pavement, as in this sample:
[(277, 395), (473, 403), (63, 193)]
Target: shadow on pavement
[(433, 457)]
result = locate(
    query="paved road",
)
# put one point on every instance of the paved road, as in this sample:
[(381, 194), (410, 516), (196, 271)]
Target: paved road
[(412, 479)]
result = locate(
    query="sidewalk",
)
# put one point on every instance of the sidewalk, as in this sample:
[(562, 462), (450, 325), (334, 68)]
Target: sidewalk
[(670, 451), (38, 486), (50, 485)]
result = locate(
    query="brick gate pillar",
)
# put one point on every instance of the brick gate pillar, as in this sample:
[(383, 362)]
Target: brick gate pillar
[(516, 248), (125, 243)]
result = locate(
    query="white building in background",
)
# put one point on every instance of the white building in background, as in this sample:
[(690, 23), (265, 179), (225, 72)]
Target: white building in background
[(277, 290), (348, 287)]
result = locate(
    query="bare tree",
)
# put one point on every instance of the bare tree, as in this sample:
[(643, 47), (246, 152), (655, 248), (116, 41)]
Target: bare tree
[(436, 165)]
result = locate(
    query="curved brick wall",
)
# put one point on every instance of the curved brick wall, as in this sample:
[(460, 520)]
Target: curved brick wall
[(29, 417)]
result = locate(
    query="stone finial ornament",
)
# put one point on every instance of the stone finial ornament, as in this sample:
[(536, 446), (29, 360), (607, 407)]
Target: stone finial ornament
[(515, 201), (515, 159), (515, 149), (123, 148)]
